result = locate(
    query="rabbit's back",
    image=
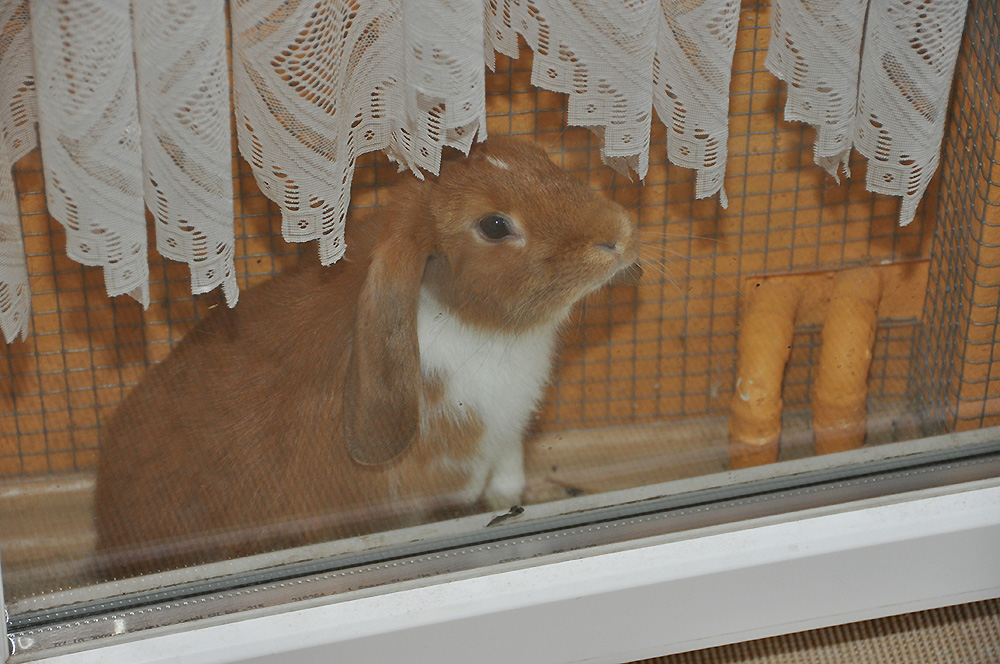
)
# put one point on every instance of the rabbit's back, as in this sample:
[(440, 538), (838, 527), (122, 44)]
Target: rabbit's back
[(221, 434)]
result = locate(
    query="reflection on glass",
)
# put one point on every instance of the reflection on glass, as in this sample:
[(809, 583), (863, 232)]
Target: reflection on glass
[(222, 454)]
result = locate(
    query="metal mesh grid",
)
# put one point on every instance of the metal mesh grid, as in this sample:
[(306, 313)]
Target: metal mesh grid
[(663, 351), (958, 374), (668, 351)]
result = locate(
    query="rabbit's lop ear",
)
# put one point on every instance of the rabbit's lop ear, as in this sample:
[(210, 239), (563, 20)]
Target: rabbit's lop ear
[(382, 388)]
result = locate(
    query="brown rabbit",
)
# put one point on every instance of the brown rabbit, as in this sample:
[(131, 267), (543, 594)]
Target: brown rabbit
[(371, 394)]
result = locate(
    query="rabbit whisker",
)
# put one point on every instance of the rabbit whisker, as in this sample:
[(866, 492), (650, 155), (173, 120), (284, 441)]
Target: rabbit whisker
[(683, 236), (658, 266)]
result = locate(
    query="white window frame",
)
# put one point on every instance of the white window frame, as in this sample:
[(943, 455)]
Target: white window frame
[(719, 585)]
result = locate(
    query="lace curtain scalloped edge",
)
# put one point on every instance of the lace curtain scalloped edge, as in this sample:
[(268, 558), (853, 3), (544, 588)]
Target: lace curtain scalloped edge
[(17, 137), (891, 106), (410, 122)]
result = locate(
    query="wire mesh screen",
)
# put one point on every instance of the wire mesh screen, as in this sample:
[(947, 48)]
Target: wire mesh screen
[(662, 351), (958, 372), (668, 351)]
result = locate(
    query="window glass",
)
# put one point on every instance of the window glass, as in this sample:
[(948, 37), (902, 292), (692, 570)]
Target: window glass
[(648, 371)]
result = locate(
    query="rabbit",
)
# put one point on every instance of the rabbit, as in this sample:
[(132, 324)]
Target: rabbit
[(391, 388)]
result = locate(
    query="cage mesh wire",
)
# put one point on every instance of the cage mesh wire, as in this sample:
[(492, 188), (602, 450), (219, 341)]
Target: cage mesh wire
[(957, 372), (663, 351)]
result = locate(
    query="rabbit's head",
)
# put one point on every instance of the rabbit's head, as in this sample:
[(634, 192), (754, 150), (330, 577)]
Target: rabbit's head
[(504, 240)]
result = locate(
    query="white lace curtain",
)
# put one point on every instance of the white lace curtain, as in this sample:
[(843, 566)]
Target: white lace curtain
[(132, 102), (881, 86)]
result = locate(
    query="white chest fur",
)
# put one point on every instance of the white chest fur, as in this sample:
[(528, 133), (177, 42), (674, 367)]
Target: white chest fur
[(500, 377)]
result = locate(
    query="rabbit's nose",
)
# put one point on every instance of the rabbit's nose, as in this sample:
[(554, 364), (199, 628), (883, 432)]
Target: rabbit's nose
[(608, 246)]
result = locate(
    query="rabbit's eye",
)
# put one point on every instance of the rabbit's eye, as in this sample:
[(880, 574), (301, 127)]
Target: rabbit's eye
[(494, 227)]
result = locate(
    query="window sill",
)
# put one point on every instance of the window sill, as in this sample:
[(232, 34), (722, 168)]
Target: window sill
[(743, 581)]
